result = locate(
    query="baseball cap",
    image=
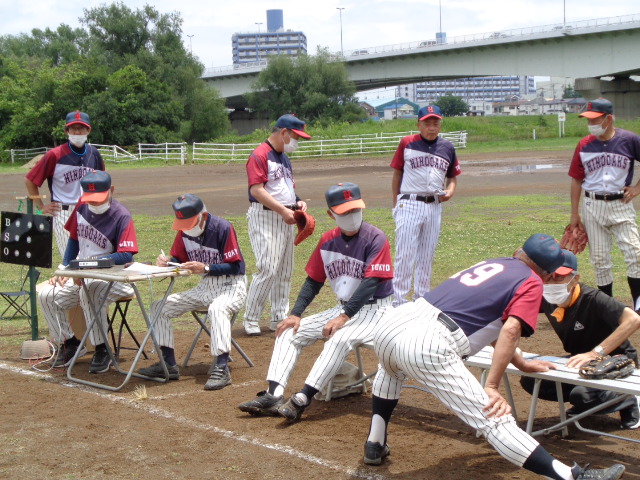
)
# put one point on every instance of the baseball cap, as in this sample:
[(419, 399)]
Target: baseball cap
[(429, 111), (186, 207), (569, 265), (95, 186), (77, 117), (544, 251), (344, 197), (598, 107), (293, 123)]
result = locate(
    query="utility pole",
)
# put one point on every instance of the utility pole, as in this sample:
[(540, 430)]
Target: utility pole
[(190, 44), (341, 48)]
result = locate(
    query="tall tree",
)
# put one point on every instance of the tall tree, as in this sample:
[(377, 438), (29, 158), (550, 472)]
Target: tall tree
[(452, 106)]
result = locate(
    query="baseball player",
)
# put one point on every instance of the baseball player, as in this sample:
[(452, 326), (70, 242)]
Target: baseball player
[(425, 170), (589, 323), (206, 245), (63, 167), (99, 227), (272, 200), (495, 301), (355, 257), (602, 166)]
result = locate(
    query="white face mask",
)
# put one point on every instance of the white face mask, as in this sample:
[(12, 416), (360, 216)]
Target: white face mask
[(291, 147), (349, 222), (196, 231), (597, 130), (99, 209), (78, 140), (556, 294)]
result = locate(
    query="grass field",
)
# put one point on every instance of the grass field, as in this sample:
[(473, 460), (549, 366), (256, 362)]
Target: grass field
[(473, 229)]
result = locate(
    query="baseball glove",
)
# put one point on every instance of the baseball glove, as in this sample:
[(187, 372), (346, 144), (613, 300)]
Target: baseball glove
[(574, 239), (306, 225), (608, 368)]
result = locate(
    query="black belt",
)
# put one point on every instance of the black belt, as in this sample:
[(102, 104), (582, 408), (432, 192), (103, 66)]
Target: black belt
[(420, 198), (604, 196), (371, 301), (448, 322), (290, 207), (65, 207)]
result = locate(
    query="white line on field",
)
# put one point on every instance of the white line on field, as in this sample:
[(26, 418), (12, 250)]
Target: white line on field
[(159, 412)]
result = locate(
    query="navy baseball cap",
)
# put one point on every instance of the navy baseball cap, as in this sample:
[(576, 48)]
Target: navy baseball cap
[(186, 207), (429, 111), (77, 117), (95, 186), (598, 107), (569, 265), (544, 251), (344, 197), (293, 123)]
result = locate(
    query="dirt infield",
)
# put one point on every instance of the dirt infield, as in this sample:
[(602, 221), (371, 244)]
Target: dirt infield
[(54, 428)]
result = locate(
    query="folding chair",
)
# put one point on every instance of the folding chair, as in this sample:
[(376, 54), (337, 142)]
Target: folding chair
[(19, 300), (122, 312), (362, 375), (201, 317)]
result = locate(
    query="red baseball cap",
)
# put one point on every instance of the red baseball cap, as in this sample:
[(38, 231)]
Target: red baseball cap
[(293, 123), (95, 186)]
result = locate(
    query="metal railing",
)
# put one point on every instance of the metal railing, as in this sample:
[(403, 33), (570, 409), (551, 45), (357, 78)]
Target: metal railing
[(23, 155), (163, 151), (115, 154)]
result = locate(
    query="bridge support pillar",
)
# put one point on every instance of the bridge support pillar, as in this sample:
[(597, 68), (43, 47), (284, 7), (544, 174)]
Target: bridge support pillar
[(623, 92), (245, 122)]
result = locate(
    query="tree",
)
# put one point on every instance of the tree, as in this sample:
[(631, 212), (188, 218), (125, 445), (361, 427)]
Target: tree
[(569, 92), (452, 106), (316, 89)]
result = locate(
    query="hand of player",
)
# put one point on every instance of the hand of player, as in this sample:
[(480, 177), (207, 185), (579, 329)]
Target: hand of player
[(576, 222), (447, 196), (290, 322), (332, 326), (193, 267), (581, 359), (287, 216), (58, 281), (162, 260), (630, 193), (52, 208), (537, 366), (497, 405), (302, 205)]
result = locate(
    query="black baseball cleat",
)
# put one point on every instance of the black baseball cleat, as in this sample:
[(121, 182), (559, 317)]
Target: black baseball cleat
[(100, 362), (292, 409), (630, 416), (374, 453), (264, 404), (219, 378), (156, 371), (612, 473)]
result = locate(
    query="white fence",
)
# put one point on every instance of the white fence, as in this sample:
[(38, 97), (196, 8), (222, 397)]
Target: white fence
[(169, 152), (358, 145), (24, 155), (115, 154)]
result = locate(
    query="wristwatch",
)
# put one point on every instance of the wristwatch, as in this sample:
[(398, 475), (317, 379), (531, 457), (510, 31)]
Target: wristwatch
[(599, 350), (342, 312), (206, 269)]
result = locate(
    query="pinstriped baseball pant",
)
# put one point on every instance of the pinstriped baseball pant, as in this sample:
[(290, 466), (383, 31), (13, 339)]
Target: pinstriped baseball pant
[(417, 232), (288, 346), (62, 236), (602, 219), (411, 342), (220, 296), (55, 301), (272, 244)]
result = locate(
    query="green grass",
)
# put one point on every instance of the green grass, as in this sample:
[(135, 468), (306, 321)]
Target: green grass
[(473, 229)]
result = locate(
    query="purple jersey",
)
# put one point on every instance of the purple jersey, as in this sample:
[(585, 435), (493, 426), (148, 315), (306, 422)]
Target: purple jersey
[(218, 244), (346, 264), (482, 297), (102, 234)]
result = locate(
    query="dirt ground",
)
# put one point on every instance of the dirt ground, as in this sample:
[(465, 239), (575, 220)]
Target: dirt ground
[(58, 429)]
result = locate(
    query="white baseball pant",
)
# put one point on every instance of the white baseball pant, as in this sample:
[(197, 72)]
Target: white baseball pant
[(272, 244), (411, 342), (288, 346), (55, 300), (62, 235), (417, 233), (602, 219), (220, 296)]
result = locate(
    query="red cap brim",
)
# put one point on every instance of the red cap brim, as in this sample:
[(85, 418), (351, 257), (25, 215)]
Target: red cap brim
[(95, 196), (301, 133), (345, 207), (562, 271), (184, 223), (78, 123), (431, 115), (592, 114)]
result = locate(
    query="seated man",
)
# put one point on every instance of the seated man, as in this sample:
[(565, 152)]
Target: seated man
[(205, 245), (99, 227), (356, 259), (589, 323)]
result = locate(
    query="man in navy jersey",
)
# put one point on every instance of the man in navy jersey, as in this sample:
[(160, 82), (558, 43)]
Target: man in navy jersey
[(206, 245), (63, 167), (589, 323), (602, 167), (494, 302), (99, 227), (272, 200), (425, 171), (356, 259)]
